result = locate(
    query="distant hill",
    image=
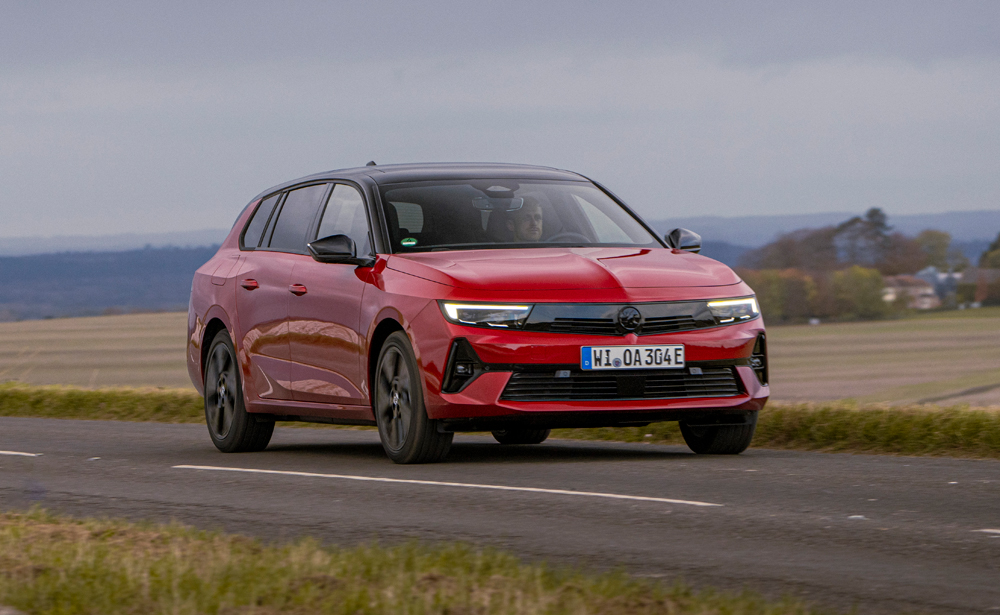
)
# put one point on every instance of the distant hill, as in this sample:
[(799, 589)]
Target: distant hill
[(23, 246), (724, 252), (755, 231), (90, 283)]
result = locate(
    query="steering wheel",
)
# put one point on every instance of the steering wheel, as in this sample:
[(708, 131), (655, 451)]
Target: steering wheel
[(568, 236)]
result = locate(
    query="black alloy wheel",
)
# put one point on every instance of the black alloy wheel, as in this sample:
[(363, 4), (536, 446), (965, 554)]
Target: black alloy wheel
[(407, 435), (521, 436), (719, 439), (232, 428)]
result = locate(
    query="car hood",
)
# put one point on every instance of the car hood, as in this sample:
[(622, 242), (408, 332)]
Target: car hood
[(565, 269)]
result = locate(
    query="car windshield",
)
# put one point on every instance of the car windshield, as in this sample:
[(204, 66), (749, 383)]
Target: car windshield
[(504, 213)]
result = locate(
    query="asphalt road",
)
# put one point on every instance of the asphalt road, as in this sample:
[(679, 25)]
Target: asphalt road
[(884, 534)]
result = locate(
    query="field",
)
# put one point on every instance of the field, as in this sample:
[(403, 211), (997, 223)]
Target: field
[(946, 358), (133, 350), (951, 357)]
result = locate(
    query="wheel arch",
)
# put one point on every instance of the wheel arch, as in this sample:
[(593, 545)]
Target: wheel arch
[(386, 327), (212, 329)]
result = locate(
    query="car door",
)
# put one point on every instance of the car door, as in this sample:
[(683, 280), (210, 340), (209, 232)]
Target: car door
[(326, 344), (262, 291)]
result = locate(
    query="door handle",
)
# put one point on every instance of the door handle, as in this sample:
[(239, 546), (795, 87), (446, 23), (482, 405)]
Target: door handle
[(250, 284), (297, 289)]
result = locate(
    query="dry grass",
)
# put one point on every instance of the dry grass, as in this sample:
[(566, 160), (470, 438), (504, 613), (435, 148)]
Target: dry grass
[(52, 565)]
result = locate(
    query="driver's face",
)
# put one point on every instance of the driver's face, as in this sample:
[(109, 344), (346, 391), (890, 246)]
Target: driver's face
[(527, 224)]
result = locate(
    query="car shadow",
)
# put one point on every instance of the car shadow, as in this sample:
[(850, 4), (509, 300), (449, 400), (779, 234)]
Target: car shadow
[(467, 452)]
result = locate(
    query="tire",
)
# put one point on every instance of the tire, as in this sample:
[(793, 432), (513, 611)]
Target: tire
[(521, 436), (232, 428), (407, 435), (721, 439)]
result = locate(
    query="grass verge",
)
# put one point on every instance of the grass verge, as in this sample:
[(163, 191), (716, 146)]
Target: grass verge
[(957, 431), (51, 565), (111, 404)]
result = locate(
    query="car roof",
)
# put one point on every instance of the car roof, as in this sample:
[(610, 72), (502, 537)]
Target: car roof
[(400, 173)]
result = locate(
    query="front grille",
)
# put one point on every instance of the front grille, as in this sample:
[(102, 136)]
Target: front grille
[(537, 385), (602, 318)]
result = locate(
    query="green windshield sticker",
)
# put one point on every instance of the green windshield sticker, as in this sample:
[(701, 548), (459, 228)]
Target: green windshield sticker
[(409, 242)]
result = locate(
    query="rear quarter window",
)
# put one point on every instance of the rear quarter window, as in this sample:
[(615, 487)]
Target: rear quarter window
[(255, 228)]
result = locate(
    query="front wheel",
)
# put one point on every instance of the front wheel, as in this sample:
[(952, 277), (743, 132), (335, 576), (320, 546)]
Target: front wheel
[(521, 436), (232, 428), (407, 435), (719, 439)]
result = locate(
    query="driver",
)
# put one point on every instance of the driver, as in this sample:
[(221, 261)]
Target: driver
[(526, 222)]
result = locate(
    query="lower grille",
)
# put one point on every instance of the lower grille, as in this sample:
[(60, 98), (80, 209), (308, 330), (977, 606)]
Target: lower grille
[(590, 326), (668, 324), (581, 385)]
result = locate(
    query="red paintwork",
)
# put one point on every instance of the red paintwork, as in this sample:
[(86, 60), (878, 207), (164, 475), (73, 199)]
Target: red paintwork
[(553, 269), (307, 353)]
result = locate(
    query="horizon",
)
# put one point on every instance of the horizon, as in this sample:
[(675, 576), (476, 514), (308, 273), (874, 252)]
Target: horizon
[(758, 235)]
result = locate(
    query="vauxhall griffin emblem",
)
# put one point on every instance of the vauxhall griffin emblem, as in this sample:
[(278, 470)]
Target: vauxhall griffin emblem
[(628, 318)]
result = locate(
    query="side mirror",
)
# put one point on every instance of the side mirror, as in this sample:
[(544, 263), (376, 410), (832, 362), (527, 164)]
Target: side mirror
[(683, 239), (337, 249)]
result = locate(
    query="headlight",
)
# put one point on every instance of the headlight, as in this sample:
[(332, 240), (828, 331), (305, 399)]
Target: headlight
[(500, 316), (728, 311)]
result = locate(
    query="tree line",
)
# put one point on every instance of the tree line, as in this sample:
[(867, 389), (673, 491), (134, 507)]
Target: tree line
[(837, 272)]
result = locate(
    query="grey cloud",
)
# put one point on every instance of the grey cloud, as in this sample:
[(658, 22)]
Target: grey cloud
[(140, 117), (187, 32)]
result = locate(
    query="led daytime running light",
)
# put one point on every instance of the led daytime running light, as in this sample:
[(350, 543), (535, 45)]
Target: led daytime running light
[(730, 302), (451, 309)]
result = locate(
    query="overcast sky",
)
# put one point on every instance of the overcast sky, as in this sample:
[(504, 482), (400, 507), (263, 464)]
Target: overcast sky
[(169, 116)]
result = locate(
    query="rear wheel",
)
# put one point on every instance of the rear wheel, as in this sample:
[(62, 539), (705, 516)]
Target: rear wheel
[(232, 428), (407, 435), (521, 436), (719, 439)]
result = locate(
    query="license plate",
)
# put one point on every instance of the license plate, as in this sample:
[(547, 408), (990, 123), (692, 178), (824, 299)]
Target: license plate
[(632, 357)]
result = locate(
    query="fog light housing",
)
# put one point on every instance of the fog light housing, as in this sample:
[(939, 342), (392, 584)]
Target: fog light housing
[(758, 358), (462, 367)]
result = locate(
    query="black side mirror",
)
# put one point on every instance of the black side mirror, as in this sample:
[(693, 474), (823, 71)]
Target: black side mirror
[(683, 239), (337, 249)]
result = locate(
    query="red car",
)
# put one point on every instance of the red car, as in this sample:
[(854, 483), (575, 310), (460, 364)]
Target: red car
[(436, 298)]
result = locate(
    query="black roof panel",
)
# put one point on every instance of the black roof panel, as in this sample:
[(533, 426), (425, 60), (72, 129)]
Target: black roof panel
[(400, 173)]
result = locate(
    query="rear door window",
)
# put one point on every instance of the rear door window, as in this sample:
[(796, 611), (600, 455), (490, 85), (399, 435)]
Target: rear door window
[(255, 230), (296, 217)]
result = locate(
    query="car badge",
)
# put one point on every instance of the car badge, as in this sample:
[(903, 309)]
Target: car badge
[(629, 318)]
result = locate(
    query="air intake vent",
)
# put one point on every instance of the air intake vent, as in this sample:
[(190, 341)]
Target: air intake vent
[(578, 385)]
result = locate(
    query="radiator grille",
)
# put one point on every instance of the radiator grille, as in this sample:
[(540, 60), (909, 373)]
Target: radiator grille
[(602, 318), (536, 385), (589, 326)]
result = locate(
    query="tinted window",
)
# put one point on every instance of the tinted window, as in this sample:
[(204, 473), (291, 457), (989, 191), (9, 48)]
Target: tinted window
[(345, 215), (251, 236), (295, 217)]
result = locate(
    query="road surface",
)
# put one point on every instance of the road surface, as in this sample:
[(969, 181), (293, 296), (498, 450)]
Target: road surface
[(884, 534)]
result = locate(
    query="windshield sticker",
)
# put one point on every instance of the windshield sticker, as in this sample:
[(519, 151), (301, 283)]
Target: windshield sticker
[(409, 242)]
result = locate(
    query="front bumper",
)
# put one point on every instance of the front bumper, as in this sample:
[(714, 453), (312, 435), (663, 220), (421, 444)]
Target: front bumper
[(482, 403)]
